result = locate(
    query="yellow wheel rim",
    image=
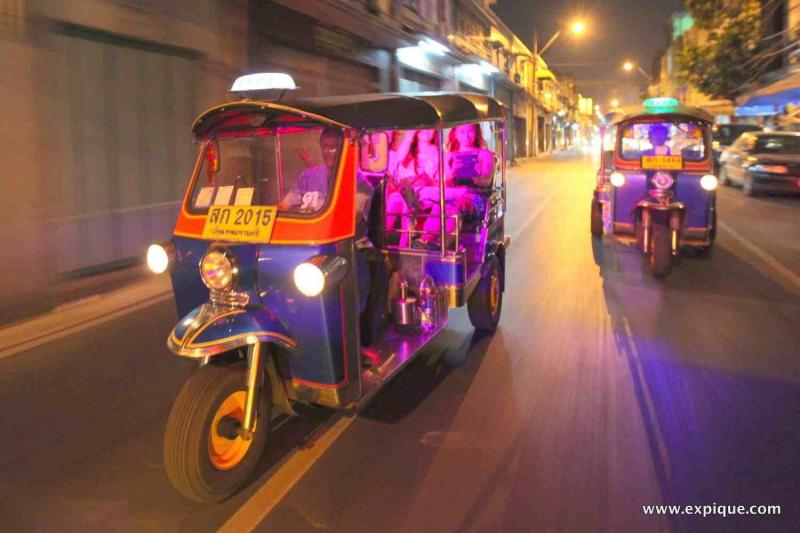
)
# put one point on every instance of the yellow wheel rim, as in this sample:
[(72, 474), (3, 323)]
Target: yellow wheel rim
[(494, 293), (226, 453)]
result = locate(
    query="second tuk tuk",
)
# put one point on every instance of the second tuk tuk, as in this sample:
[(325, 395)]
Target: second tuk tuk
[(292, 287), (656, 187)]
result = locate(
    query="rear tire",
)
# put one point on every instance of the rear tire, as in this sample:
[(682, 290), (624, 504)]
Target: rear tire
[(660, 257), (486, 303), (210, 468), (597, 219)]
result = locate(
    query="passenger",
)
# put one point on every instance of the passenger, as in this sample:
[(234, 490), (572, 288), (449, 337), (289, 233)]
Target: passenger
[(414, 165), (311, 190), (468, 164), (658, 135)]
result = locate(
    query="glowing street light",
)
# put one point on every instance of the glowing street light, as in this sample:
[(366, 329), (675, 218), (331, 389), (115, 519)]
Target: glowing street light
[(614, 103), (578, 27), (628, 66)]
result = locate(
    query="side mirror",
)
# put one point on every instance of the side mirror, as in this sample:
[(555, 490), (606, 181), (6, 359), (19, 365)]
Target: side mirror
[(374, 154), (212, 156)]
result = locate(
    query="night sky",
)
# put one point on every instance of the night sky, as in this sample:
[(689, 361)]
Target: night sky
[(617, 30)]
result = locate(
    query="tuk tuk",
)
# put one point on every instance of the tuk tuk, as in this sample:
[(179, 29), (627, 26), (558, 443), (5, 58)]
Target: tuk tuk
[(293, 287), (656, 186)]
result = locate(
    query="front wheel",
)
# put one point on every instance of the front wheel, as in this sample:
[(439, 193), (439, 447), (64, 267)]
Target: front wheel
[(204, 456), (660, 257), (486, 302), (597, 219)]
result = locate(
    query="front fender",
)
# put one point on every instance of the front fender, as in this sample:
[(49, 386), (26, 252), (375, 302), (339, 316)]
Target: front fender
[(213, 329)]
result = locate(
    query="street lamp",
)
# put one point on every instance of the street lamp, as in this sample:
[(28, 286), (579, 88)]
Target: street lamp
[(577, 28), (628, 66), (614, 103)]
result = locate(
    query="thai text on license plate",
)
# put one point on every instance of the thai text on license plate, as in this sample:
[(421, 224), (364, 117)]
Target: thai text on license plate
[(666, 162), (240, 223)]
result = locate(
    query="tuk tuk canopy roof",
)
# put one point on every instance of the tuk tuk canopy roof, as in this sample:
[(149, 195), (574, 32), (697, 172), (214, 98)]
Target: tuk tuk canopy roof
[(377, 111), (630, 113)]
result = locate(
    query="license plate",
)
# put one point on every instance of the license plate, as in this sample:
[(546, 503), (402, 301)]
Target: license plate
[(240, 224), (666, 162)]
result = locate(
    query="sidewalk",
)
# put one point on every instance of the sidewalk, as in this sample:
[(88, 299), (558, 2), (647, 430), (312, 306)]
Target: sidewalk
[(96, 299)]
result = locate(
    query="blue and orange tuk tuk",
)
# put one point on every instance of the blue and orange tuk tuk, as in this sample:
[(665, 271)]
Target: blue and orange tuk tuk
[(292, 286), (656, 186)]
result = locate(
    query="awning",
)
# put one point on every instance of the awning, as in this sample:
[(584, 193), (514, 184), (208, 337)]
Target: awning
[(776, 95)]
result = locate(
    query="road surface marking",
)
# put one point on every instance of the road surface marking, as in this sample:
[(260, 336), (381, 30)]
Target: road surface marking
[(51, 336), (266, 498), (780, 268), (648, 400)]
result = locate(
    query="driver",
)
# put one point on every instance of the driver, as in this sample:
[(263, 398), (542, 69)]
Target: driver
[(312, 185), (658, 136)]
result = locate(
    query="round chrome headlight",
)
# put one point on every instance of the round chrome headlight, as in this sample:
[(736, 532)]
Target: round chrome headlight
[(217, 270), (709, 182), (617, 179), (309, 279)]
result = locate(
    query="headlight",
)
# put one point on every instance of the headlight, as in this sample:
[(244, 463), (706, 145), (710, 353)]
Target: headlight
[(709, 182), (617, 179), (309, 279), (320, 271), (159, 256), (217, 270)]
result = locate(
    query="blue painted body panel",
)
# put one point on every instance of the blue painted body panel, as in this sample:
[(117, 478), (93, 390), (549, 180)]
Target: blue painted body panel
[(687, 191), (324, 327), (246, 321)]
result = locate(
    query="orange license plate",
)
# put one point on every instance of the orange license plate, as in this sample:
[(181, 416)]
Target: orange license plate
[(240, 223), (663, 162)]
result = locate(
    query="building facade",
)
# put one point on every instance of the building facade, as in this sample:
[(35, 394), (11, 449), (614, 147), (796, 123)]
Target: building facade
[(103, 93)]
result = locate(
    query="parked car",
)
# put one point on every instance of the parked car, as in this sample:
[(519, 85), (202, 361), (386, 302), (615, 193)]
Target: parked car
[(725, 135), (763, 162)]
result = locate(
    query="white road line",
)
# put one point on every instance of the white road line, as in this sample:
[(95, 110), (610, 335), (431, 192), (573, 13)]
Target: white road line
[(283, 480), (51, 336), (648, 400), (777, 266)]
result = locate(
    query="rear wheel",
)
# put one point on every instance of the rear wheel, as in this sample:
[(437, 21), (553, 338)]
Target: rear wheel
[(486, 302), (204, 456), (597, 218), (660, 257)]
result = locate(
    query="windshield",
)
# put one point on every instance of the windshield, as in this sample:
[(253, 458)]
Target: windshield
[(289, 167), (683, 139), (779, 144)]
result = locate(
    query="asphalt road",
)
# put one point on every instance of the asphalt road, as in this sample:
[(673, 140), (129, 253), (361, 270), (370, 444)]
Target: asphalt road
[(602, 391)]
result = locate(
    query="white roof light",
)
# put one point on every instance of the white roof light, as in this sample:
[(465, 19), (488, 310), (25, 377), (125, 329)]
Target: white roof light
[(263, 81)]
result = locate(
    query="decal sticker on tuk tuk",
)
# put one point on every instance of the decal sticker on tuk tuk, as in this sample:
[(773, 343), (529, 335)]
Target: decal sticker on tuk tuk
[(240, 224), (663, 162)]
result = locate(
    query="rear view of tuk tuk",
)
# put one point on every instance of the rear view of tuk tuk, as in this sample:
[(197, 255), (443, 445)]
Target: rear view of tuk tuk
[(296, 282), (656, 188)]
